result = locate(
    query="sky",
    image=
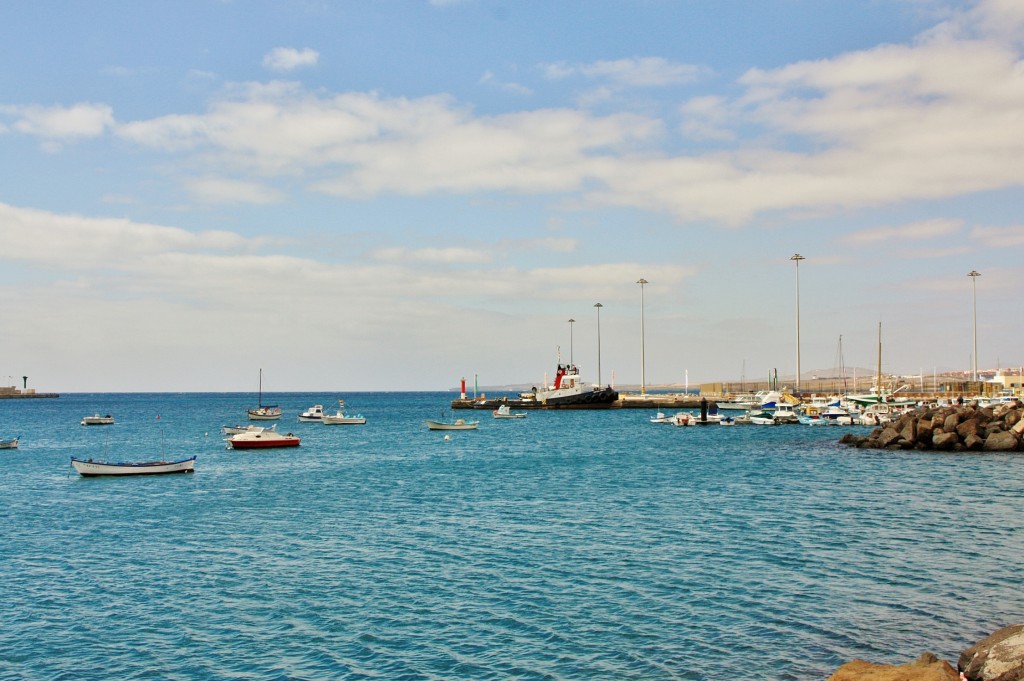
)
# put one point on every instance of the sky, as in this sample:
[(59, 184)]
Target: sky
[(393, 195)]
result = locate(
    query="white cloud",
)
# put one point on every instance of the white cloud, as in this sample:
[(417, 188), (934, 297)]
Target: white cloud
[(999, 237), (449, 255), (633, 72), (289, 58), (515, 88), (916, 232), (225, 190), (60, 123)]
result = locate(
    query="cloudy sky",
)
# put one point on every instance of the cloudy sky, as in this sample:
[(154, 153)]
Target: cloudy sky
[(391, 195)]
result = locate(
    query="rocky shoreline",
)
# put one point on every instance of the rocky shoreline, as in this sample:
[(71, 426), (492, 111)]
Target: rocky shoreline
[(997, 657), (969, 428)]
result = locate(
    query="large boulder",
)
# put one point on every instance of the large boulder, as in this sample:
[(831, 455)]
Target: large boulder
[(1001, 442), (968, 428), (926, 668), (944, 441), (888, 436), (998, 657)]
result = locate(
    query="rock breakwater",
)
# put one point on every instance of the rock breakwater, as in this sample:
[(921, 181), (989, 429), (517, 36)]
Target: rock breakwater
[(952, 429)]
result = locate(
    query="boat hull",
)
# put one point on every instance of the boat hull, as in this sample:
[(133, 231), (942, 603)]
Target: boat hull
[(89, 469), (264, 415), (97, 421), (343, 420), (441, 425), (9, 444)]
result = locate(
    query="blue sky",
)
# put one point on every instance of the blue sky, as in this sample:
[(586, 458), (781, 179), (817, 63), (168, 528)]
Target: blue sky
[(393, 195)]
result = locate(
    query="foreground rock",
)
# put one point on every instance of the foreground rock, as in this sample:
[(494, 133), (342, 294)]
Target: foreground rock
[(997, 657), (951, 429), (927, 668)]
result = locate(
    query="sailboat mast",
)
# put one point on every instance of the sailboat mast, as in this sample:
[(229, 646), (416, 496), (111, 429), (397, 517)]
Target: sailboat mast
[(878, 378)]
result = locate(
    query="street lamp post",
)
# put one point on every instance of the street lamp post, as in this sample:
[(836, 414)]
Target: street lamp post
[(643, 363), (796, 258), (974, 274), (571, 322), (598, 306)]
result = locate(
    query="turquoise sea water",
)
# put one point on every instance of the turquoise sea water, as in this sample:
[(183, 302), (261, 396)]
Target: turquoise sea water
[(566, 545)]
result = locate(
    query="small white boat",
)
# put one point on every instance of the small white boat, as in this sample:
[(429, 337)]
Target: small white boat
[(763, 419), (784, 413), (98, 420), (683, 418), (457, 424), (342, 419), (661, 418), (505, 412), (313, 414), (235, 430), (9, 444), (89, 468)]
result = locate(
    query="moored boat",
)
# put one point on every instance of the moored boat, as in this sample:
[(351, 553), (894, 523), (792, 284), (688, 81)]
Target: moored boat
[(262, 412), (505, 412), (235, 430), (265, 439), (568, 390), (457, 424), (340, 418), (89, 468), (98, 420), (313, 414)]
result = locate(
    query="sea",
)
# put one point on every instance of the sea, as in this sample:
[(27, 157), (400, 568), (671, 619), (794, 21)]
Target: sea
[(564, 545)]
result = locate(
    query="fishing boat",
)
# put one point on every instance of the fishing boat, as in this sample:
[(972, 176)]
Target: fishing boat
[(10, 444), (314, 414), (505, 412), (568, 390), (660, 417), (340, 418), (263, 412), (266, 439), (89, 468), (98, 420), (457, 424)]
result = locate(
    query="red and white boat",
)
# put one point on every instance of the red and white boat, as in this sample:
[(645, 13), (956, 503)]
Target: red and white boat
[(262, 440)]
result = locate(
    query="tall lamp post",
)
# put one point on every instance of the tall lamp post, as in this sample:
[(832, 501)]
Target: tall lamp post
[(643, 363), (974, 274), (796, 258), (598, 306), (571, 322)]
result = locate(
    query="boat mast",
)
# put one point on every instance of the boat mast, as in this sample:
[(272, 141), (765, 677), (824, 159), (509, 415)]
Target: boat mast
[(878, 379)]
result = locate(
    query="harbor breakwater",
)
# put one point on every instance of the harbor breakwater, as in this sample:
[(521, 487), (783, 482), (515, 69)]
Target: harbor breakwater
[(952, 429)]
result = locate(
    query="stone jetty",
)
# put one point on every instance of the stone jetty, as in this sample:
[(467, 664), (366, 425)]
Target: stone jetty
[(968, 428)]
